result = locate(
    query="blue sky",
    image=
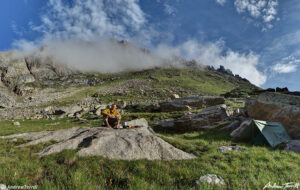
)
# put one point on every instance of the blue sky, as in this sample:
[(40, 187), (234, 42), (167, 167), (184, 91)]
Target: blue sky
[(258, 39)]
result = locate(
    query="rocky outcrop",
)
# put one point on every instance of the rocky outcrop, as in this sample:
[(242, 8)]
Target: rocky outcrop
[(44, 68), (279, 108), (180, 104), (124, 144), (224, 71), (17, 71), (14, 72), (6, 100), (206, 119)]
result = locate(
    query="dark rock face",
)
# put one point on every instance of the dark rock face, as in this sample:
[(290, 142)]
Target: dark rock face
[(285, 89), (271, 90), (224, 71), (279, 108)]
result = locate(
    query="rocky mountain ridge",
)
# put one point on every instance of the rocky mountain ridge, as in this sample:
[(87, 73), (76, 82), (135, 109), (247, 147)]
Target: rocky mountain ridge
[(30, 83)]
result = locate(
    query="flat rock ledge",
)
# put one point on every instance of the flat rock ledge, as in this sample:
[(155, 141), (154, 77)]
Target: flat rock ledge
[(123, 144)]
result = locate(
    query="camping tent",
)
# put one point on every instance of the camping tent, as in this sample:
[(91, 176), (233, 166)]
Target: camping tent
[(264, 133)]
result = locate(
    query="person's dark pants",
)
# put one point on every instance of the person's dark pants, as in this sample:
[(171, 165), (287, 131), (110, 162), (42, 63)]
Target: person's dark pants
[(112, 121)]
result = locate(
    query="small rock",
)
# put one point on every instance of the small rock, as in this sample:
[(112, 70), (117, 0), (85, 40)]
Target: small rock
[(121, 104), (12, 140), (16, 123), (3, 187), (212, 179), (175, 96), (48, 110), (230, 148), (293, 145)]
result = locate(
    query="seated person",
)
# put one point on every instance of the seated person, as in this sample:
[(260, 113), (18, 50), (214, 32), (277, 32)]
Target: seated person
[(112, 117)]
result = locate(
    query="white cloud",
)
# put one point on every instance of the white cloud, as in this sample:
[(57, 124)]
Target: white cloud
[(286, 65), (261, 10), (93, 20), (90, 19), (217, 54), (221, 2), (169, 9)]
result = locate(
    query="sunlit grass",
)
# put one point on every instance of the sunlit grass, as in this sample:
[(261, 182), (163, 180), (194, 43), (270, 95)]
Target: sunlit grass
[(251, 169)]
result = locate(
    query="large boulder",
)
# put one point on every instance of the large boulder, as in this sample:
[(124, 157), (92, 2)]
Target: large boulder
[(208, 118), (170, 106), (123, 144), (279, 108), (186, 103)]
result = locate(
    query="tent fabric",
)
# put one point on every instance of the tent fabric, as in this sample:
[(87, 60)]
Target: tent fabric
[(264, 132)]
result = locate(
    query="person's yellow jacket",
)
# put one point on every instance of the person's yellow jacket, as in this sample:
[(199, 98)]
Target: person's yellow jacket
[(111, 112)]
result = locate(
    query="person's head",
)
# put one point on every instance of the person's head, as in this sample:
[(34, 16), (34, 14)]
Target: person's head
[(114, 107)]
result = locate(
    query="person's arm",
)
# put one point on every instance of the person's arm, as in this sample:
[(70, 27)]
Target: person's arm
[(118, 114), (106, 112)]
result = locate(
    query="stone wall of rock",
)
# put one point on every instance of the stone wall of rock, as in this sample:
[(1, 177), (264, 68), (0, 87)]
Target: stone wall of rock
[(280, 108), (185, 103), (208, 118)]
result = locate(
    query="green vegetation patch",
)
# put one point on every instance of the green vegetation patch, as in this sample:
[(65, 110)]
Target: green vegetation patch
[(251, 169)]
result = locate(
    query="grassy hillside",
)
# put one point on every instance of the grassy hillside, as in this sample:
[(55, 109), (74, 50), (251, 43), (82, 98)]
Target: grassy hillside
[(251, 169), (154, 84)]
